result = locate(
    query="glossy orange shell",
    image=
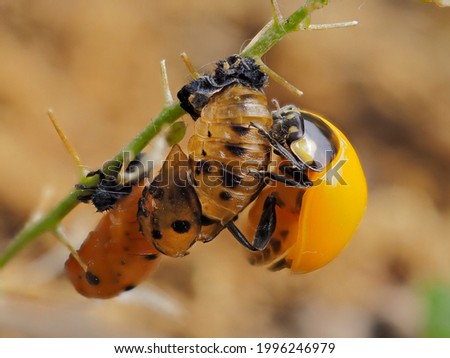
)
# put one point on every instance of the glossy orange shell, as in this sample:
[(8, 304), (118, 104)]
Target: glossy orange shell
[(315, 224)]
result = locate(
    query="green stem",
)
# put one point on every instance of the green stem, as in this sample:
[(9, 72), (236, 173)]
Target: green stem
[(33, 229), (274, 33), (167, 116)]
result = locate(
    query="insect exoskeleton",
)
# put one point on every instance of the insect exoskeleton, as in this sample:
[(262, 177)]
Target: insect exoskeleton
[(314, 224), (226, 164), (116, 255)]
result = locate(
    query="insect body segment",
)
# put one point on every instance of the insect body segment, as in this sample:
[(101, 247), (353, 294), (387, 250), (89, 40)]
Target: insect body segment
[(115, 252), (169, 210), (224, 148), (313, 224)]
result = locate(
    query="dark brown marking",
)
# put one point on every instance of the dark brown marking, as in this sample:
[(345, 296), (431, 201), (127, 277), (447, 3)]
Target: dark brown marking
[(206, 221), (284, 233), (151, 257), (129, 287), (255, 259), (203, 153), (181, 226), (156, 192), (225, 195), (156, 234), (206, 166), (275, 244), (266, 254), (92, 279), (236, 150), (279, 265), (240, 130), (209, 134), (198, 168), (298, 201)]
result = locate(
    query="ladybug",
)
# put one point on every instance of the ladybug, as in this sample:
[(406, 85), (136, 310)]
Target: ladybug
[(116, 254), (196, 196), (313, 224)]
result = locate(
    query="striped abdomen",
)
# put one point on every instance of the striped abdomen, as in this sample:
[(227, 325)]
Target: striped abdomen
[(224, 147)]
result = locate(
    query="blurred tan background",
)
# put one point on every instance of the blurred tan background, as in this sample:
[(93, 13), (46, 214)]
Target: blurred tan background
[(385, 83)]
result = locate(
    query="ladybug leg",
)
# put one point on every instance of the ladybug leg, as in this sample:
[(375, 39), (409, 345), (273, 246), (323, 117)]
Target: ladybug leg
[(277, 146), (239, 236), (264, 230)]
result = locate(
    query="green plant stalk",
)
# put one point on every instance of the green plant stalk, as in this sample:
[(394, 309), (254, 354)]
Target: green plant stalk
[(33, 229), (277, 31), (169, 114)]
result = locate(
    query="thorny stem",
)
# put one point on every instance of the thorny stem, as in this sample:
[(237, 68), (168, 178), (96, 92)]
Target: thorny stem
[(273, 33), (277, 30)]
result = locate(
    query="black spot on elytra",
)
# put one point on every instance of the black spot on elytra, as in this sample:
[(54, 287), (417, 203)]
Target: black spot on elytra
[(225, 195), (203, 153), (240, 130), (284, 233), (181, 226), (92, 279), (236, 150), (275, 244), (156, 234)]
